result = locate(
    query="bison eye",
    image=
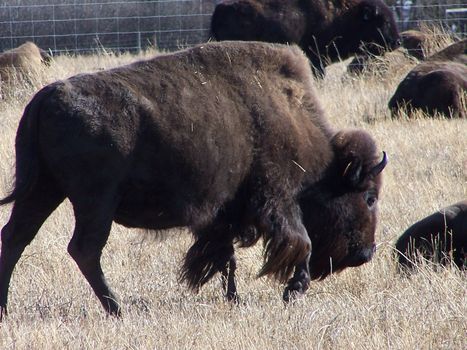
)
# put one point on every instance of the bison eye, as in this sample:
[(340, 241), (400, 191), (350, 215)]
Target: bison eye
[(370, 198)]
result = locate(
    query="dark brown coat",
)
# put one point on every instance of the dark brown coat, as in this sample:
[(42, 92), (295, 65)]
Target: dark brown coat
[(456, 52), (227, 139), (327, 30), (440, 237), (433, 87)]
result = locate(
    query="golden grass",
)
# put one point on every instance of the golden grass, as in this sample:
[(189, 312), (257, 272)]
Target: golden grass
[(371, 307)]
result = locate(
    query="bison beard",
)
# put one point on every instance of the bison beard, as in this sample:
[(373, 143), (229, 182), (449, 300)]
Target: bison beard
[(227, 139)]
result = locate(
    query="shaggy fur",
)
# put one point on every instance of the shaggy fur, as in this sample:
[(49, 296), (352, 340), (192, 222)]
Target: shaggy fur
[(227, 139), (440, 237), (433, 86), (326, 30), (22, 60)]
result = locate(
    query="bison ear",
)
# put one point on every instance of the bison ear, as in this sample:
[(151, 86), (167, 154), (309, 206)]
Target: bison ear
[(353, 172), (369, 12), (353, 175)]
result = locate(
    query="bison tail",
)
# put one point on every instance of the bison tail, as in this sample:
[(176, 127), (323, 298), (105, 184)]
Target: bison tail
[(287, 244), (26, 145)]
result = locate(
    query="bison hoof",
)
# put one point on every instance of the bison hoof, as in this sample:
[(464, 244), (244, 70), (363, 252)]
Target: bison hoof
[(233, 298), (3, 313), (293, 291)]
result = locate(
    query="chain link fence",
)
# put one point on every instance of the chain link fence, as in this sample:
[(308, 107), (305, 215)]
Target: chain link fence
[(78, 26)]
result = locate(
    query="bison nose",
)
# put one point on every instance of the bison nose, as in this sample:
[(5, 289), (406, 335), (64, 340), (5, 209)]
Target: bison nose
[(363, 256), (367, 253)]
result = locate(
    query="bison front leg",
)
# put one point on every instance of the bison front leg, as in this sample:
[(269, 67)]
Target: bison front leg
[(93, 223), (299, 282), (287, 243)]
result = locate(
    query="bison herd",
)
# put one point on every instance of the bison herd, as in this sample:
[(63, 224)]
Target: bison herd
[(229, 139)]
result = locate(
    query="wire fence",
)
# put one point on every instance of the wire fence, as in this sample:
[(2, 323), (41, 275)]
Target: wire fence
[(77, 26), (83, 26)]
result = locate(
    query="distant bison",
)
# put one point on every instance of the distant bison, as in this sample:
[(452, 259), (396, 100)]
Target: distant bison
[(21, 60), (438, 237), (433, 87), (327, 30), (413, 41), (227, 139), (456, 52), (390, 63)]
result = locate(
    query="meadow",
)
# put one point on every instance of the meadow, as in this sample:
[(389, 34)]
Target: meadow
[(371, 307)]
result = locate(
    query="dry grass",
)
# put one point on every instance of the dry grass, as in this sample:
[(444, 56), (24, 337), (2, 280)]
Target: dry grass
[(371, 307)]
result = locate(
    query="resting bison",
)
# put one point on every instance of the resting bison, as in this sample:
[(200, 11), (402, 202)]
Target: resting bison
[(439, 237), (226, 139), (392, 63), (456, 52), (327, 30), (432, 87), (23, 59), (414, 41)]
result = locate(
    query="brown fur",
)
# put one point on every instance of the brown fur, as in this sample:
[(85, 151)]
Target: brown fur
[(414, 41), (456, 52), (433, 86), (20, 61), (382, 65), (227, 139), (439, 237), (327, 31)]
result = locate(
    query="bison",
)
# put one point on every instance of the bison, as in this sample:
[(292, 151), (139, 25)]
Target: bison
[(433, 87), (456, 52), (327, 30), (440, 237), (413, 41), (227, 139), (412, 45), (24, 59)]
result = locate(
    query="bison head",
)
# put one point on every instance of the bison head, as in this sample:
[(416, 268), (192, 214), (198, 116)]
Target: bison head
[(340, 213), (377, 27)]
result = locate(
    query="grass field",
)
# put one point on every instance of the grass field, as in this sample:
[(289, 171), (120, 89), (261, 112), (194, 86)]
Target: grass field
[(371, 307)]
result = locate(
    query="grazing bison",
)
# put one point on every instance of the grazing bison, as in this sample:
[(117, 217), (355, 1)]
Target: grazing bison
[(21, 60), (327, 30), (226, 139), (433, 87), (440, 237)]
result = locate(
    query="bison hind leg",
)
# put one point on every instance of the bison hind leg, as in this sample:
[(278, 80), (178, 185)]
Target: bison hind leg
[(27, 216), (228, 280)]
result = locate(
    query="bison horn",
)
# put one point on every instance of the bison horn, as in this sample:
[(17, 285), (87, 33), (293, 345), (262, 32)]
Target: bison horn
[(380, 166)]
